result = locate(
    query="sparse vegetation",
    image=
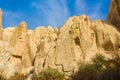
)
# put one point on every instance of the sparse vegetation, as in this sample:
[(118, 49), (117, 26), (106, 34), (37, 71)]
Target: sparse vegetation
[(99, 69), (18, 76), (47, 74), (50, 74)]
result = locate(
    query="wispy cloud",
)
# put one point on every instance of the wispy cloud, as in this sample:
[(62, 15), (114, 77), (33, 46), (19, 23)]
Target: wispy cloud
[(54, 12), (91, 10), (11, 18)]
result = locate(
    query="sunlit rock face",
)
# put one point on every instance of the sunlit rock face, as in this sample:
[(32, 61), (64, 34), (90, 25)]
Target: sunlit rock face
[(20, 43), (114, 13), (42, 43), (16, 49), (78, 40)]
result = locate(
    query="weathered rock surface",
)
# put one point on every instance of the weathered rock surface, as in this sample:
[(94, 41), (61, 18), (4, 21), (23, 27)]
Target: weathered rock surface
[(20, 42), (114, 13), (42, 42), (78, 40)]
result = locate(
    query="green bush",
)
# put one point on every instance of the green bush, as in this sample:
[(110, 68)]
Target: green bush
[(98, 62), (50, 74), (86, 68), (47, 74), (99, 69), (17, 76), (85, 71)]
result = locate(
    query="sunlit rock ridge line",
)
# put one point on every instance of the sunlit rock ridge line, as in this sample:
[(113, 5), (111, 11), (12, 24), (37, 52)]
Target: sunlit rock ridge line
[(78, 40)]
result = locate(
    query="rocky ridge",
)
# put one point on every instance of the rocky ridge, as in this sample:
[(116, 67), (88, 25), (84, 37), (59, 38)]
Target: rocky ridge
[(78, 40)]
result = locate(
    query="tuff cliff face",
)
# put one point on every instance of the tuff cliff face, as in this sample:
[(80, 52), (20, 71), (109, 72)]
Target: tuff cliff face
[(114, 13), (78, 40)]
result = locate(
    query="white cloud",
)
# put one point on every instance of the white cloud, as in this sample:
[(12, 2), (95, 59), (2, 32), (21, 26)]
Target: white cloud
[(54, 12), (11, 18), (94, 12)]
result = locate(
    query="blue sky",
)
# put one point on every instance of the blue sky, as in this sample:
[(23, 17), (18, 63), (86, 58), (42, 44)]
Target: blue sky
[(50, 12)]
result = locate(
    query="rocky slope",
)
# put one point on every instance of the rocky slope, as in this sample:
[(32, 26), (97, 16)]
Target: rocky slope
[(78, 40), (114, 13)]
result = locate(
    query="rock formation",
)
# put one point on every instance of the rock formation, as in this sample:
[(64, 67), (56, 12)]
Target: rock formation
[(20, 43), (114, 13), (78, 40)]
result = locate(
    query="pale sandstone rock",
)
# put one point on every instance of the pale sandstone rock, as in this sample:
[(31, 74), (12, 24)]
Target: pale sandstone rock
[(107, 38), (79, 40), (71, 35), (20, 44), (42, 41), (7, 34), (6, 68)]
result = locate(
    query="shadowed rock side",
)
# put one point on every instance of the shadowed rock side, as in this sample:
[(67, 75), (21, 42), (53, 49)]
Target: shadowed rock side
[(114, 13), (78, 40)]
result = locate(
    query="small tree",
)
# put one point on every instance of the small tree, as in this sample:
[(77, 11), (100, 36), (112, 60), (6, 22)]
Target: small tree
[(98, 62), (17, 76), (50, 74)]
